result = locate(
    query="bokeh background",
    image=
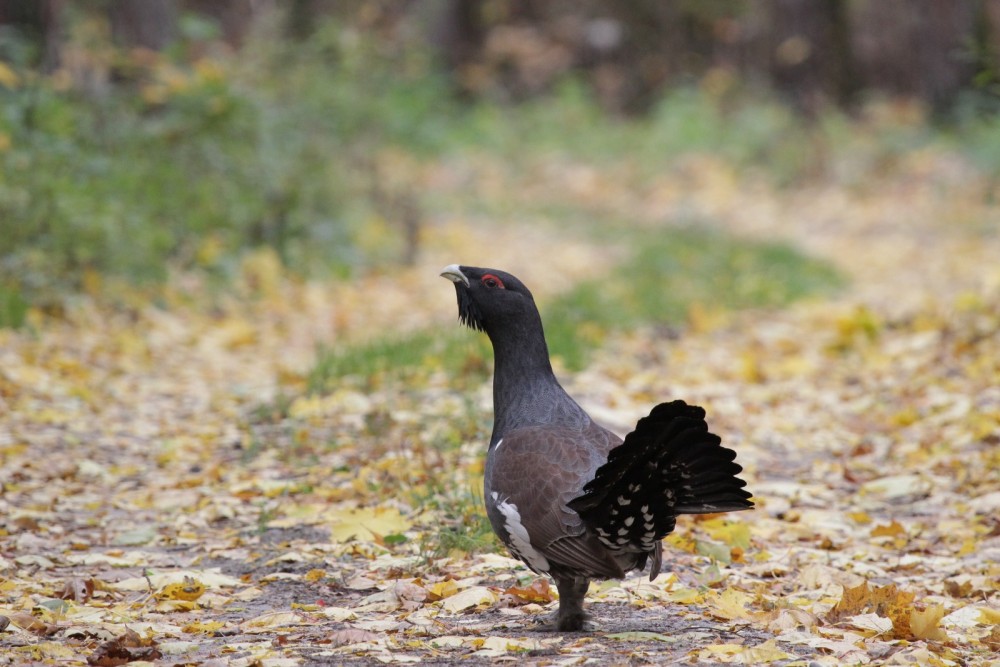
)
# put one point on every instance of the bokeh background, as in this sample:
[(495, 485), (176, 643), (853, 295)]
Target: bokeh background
[(144, 137)]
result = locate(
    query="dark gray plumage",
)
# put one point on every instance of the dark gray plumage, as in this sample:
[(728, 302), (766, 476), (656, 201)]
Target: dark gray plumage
[(567, 497)]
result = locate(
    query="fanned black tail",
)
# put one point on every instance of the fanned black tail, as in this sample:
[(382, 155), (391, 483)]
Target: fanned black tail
[(669, 465)]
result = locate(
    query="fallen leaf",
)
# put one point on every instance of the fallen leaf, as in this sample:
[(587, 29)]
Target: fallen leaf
[(78, 590), (891, 530), (733, 533), (729, 605), (351, 636), (366, 523), (539, 591), (762, 654), (188, 590), (339, 613), (925, 624), (476, 596), (314, 575), (270, 621), (35, 626), (442, 589), (129, 647), (204, 627)]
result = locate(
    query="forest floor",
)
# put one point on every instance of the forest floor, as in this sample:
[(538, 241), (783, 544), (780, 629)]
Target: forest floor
[(152, 510)]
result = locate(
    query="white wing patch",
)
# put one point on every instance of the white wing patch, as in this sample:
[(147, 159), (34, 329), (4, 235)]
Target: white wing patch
[(520, 542)]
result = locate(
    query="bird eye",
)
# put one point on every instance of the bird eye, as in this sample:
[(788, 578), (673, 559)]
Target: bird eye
[(491, 281)]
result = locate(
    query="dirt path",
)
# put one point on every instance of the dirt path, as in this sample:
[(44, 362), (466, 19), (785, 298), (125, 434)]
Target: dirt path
[(869, 426)]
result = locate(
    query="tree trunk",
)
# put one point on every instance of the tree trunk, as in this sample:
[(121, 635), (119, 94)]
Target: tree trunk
[(150, 24)]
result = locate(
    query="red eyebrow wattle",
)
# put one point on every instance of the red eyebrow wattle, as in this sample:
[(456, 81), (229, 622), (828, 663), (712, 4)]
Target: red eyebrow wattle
[(490, 276)]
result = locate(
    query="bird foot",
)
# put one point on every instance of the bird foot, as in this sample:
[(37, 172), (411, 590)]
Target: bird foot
[(571, 622)]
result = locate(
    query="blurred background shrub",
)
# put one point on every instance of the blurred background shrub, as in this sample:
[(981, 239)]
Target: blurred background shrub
[(143, 136)]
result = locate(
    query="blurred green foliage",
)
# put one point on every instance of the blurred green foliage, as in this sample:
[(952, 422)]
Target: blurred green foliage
[(188, 164), (184, 161), (668, 274)]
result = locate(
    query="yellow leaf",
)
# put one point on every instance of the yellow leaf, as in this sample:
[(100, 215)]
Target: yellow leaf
[(729, 605), (442, 589), (989, 616), (686, 596), (859, 517), (733, 533), (905, 417), (188, 590), (314, 575), (167, 606), (681, 542), (924, 624), (204, 627), (892, 530), (366, 523), (713, 653), (761, 654), (968, 547)]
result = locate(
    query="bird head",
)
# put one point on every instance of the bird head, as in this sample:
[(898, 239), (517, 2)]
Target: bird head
[(489, 299)]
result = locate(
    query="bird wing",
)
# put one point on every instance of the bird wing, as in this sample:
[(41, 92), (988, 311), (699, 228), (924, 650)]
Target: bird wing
[(538, 470)]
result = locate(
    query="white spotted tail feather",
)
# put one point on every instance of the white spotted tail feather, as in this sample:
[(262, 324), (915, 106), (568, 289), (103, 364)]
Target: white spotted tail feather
[(669, 465)]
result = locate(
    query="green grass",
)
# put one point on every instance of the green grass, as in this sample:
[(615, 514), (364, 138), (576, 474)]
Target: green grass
[(464, 527), (671, 271), (455, 350)]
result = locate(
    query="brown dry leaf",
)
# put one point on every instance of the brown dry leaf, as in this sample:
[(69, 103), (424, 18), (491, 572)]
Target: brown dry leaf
[(861, 599), (539, 592), (992, 640), (34, 625), (130, 647), (77, 590)]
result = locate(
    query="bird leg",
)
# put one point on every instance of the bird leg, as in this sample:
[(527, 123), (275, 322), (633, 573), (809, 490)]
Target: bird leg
[(570, 616)]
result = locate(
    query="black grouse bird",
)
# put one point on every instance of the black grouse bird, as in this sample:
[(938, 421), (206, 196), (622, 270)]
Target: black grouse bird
[(567, 497)]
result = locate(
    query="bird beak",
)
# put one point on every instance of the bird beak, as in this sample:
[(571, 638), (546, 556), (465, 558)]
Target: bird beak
[(454, 273)]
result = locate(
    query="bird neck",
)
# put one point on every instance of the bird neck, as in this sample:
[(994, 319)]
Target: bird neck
[(525, 390)]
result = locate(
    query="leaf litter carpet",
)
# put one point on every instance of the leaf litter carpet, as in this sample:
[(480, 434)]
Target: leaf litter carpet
[(153, 511)]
